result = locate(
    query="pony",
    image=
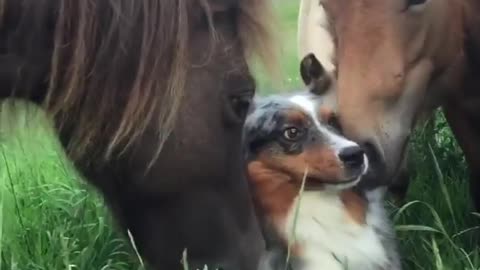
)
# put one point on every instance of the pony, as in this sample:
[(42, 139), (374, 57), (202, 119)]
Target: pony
[(148, 99), (395, 62)]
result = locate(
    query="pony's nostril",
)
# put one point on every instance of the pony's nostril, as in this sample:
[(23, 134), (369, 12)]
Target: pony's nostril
[(352, 156)]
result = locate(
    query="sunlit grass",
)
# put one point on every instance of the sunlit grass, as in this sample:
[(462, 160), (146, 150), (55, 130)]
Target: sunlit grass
[(50, 219)]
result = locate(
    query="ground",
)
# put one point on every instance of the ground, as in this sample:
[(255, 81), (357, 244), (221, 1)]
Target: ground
[(50, 220)]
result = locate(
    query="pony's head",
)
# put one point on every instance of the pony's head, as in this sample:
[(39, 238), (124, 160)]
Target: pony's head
[(149, 98), (392, 60)]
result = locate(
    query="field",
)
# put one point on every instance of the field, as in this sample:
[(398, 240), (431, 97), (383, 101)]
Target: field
[(50, 220)]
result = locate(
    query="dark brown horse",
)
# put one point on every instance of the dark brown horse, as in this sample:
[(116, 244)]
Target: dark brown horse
[(396, 61), (149, 99)]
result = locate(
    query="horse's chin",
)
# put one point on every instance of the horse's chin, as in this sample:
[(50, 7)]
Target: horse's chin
[(391, 166), (376, 173)]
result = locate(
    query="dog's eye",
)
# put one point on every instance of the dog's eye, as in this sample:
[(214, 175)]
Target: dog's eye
[(292, 133)]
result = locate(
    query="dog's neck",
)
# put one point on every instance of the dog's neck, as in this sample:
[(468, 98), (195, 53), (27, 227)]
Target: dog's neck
[(328, 221), (340, 223)]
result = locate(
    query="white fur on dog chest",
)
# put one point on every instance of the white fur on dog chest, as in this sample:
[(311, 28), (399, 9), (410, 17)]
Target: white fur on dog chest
[(330, 240)]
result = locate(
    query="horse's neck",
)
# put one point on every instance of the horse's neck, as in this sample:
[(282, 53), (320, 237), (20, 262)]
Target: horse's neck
[(462, 108), (472, 29), (458, 82), (469, 99)]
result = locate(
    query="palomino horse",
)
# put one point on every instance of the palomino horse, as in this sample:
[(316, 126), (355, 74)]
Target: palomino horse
[(396, 61), (149, 99)]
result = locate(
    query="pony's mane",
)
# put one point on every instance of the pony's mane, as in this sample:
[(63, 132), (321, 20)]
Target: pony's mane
[(107, 60)]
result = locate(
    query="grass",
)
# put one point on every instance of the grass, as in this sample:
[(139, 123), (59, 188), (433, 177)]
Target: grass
[(50, 220)]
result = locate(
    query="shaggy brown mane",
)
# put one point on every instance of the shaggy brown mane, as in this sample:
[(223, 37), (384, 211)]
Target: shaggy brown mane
[(112, 62)]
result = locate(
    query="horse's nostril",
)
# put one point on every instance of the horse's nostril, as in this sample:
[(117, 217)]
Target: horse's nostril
[(352, 156)]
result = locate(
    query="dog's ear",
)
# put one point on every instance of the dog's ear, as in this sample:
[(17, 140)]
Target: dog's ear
[(314, 75)]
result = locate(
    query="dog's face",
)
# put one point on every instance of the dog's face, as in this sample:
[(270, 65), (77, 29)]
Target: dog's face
[(287, 139), (292, 138), (288, 136)]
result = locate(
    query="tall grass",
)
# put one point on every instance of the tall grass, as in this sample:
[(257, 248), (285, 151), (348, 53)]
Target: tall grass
[(49, 219), (438, 228)]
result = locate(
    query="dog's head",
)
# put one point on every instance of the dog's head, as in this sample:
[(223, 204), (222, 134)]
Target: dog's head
[(289, 136), (289, 142)]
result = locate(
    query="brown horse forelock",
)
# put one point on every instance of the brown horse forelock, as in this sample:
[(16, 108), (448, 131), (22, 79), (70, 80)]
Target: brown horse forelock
[(113, 65)]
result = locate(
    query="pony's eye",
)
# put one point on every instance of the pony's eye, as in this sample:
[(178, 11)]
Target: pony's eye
[(292, 133), (415, 3), (240, 105)]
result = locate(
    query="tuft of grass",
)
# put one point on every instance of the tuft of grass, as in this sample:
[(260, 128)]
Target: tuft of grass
[(50, 218), (437, 228)]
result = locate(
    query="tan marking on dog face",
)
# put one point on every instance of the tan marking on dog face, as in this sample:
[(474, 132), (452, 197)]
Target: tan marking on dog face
[(322, 163), (277, 179), (273, 191), (297, 118), (355, 205)]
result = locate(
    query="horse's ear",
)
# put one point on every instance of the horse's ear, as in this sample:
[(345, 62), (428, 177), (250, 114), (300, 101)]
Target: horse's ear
[(314, 75)]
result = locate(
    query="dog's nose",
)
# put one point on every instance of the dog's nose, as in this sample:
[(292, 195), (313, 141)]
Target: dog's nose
[(352, 157)]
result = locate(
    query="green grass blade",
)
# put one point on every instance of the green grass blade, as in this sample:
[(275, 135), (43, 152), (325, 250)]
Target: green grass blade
[(443, 187), (436, 255), (416, 228), (292, 237)]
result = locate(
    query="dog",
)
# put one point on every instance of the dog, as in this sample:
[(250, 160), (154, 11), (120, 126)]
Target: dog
[(303, 175)]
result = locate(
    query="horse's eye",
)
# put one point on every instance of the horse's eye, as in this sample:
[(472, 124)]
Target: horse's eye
[(292, 133), (413, 3), (334, 122), (240, 105)]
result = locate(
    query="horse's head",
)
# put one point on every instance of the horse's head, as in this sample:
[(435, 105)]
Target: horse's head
[(387, 55), (196, 194)]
